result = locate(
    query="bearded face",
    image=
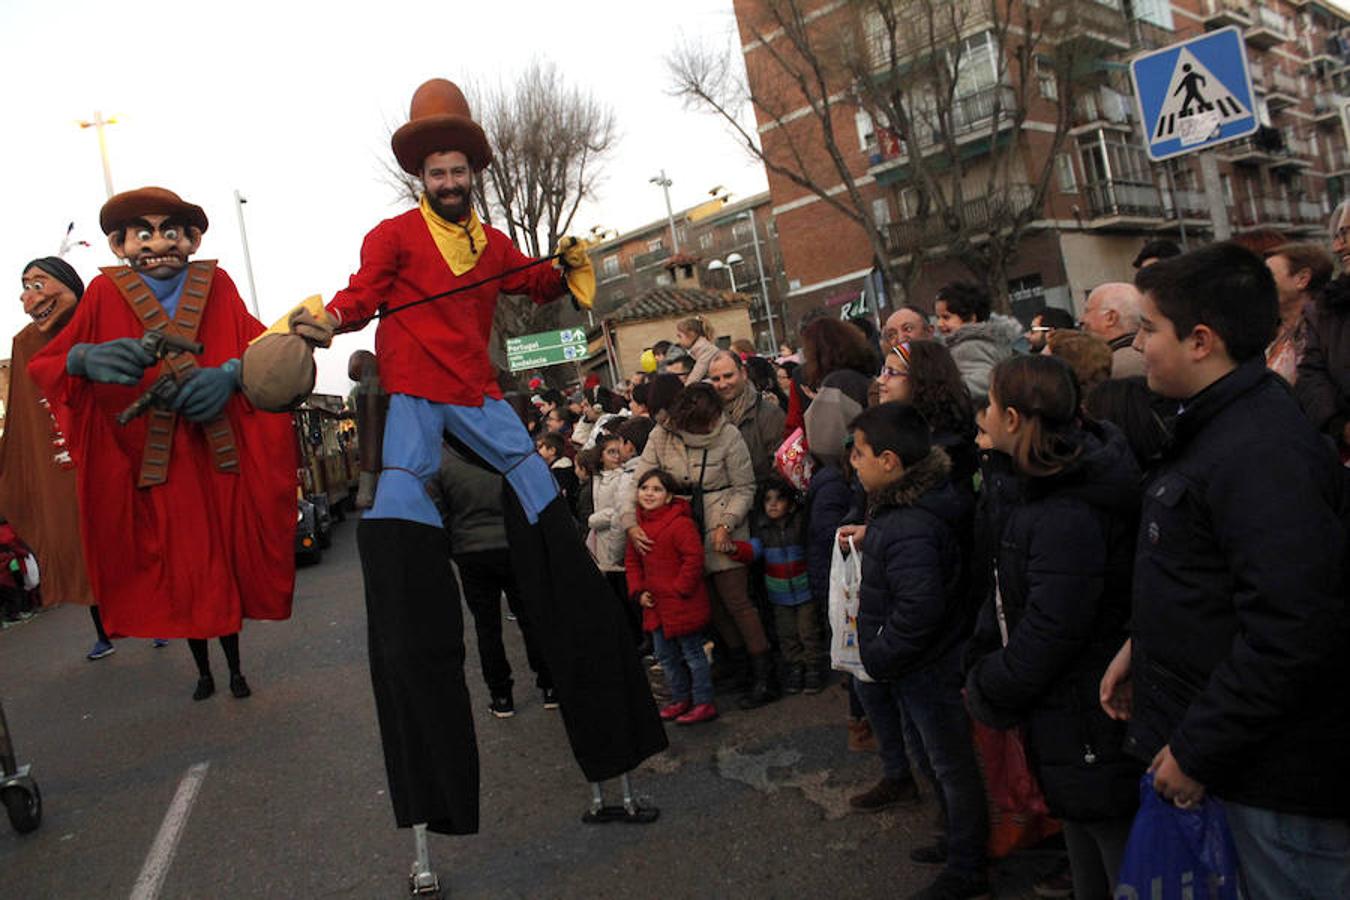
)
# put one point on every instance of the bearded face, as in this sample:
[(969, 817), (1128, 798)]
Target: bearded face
[(46, 300), (158, 246), (448, 179)]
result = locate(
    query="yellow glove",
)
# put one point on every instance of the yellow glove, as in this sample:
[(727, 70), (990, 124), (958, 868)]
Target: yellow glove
[(576, 264)]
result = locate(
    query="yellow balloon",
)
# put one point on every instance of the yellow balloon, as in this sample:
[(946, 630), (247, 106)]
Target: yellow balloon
[(648, 361)]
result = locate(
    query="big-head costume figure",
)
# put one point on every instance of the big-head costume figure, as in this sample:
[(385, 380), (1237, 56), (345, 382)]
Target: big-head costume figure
[(433, 361), (188, 511)]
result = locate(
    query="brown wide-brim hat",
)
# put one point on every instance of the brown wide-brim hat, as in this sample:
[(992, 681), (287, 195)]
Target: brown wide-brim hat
[(148, 201), (277, 372), (440, 121)]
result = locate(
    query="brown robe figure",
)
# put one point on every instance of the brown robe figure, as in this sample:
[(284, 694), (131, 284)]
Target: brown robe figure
[(37, 475)]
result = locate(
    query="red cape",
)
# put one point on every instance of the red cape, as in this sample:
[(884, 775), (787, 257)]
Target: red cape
[(191, 557)]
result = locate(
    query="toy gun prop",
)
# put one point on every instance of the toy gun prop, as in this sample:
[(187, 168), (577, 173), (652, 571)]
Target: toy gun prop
[(159, 344)]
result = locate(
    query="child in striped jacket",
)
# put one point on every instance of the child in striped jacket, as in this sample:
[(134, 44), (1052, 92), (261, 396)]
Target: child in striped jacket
[(778, 530)]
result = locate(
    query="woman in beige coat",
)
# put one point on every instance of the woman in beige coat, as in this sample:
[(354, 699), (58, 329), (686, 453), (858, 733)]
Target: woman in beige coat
[(695, 335), (698, 441)]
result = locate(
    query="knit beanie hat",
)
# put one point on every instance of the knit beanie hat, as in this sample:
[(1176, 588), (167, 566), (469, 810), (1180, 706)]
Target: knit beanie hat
[(62, 271)]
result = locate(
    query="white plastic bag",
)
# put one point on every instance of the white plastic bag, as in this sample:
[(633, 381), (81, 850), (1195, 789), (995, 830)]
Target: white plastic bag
[(31, 578), (845, 585)]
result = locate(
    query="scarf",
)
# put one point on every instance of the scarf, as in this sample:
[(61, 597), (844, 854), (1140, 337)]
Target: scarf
[(741, 406), (460, 244)]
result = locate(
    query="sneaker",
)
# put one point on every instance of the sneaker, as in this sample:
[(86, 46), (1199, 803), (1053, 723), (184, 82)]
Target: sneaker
[(955, 886), (860, 737), (100, 650), (157, 643), (503, 706), (550, 698), (886, 793), (930, 855), (792, 679), (704, 712), (1056, 883), (814, 681), (675, 710)]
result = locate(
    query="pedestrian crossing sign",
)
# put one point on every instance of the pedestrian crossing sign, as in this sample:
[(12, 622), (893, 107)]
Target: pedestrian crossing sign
[(1194, 94)]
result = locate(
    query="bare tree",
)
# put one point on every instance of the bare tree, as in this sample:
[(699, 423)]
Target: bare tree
[(931, 94), (549, 142)]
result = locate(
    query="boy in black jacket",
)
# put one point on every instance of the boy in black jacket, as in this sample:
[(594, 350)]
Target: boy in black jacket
[(913, 619), (1237, 664)]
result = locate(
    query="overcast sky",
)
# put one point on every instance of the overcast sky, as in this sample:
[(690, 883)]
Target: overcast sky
[(291, 102)]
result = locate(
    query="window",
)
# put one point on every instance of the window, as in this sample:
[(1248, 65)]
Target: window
[(682, 236), (1068, 183), (1227, 184), (740, 230), (705, 240), (976, 64), (654, 244), (1045, 79), (1155, 12), (867, 131), (909, 202), (609, 266), (881, 211)]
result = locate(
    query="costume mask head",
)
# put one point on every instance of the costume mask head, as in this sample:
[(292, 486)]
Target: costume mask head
[(153, 230), (51, 288)]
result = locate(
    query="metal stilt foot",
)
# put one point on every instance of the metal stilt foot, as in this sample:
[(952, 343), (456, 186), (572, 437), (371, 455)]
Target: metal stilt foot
[(422, 882), (631, 811)]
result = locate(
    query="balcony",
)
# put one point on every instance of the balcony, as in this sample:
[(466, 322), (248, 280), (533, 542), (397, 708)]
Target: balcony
[(1263, 147), (1309, 215), (1222, 13), (1188, 205), (1094, 24), (1325, 109), (1102, 108), (983, 214), (1258, 73), (1296, 154), (1282, 89), (971, 119), (1339, 163), (1115, 202), (1268, 28), (650, 258)]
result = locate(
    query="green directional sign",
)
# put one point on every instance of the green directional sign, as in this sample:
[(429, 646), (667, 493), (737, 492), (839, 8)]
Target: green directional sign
[(548, 348)]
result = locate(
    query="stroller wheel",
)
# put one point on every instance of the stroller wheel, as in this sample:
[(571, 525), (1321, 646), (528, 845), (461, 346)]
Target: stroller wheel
[(24, 807)]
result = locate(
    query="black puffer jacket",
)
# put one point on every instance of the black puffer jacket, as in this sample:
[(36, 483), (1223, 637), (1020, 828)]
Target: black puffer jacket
[(1240, 626), (1323, 386), (915, 606), (1064, 562)]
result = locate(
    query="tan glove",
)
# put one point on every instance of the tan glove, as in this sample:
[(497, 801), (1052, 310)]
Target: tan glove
[(576, 265), (316, 330)]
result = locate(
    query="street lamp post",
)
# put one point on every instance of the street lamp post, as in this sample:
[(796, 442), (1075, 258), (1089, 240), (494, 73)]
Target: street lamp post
[(665, 184), (239, 201), (718, 264), (98, 125), (763, 288)]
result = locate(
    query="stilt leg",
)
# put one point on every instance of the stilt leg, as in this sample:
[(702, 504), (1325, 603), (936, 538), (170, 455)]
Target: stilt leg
[(422, 882), (638, 815), (631, 811)]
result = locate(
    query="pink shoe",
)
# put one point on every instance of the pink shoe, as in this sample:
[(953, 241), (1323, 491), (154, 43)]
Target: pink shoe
[(704, 712), (675, 710)]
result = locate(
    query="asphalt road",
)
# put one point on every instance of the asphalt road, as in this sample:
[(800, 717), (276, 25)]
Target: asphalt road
[(293, 800)]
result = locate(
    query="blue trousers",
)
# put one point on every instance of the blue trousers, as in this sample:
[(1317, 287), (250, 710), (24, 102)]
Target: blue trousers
[(1282, 856), (683, 661), (412, 456)]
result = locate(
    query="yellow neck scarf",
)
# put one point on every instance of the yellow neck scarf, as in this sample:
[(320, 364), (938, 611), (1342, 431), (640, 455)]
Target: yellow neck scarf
[(460, 244)]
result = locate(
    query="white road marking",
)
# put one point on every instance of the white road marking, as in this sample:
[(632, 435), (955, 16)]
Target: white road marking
[(157, 862)]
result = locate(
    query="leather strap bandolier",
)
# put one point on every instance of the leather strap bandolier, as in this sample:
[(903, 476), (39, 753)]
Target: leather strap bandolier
[(187, 319)]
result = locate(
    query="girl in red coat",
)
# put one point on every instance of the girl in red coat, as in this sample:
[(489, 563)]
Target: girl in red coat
[(667, 581)]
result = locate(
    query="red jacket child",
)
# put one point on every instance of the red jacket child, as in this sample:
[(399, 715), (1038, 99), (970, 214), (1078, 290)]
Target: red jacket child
[(672, 570)]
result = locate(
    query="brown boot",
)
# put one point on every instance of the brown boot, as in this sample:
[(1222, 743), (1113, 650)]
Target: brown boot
[(886, 793), (860, 737)]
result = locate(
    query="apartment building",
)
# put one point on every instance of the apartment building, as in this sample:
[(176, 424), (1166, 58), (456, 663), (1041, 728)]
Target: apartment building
[(1105, 197), (722, 246)]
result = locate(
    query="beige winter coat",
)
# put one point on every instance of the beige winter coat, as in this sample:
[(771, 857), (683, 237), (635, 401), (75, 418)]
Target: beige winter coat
[(610, 537), (702, 350), (728, 481)]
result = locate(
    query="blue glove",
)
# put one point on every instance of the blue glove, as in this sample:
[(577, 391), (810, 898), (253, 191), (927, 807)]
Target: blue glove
[(122, 361), (204, 394)]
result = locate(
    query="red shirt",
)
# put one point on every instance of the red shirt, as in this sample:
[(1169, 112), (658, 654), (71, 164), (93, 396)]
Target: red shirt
[(190, 557), (439, 350)]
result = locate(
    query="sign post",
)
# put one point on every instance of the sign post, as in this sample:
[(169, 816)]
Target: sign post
[(547, 348), (1192, 96)]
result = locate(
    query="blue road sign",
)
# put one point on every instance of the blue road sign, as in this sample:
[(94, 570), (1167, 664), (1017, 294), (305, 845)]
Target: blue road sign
[(1194, 94)]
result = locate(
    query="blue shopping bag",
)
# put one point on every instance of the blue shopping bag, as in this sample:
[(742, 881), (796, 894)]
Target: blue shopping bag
[(1178, 854)]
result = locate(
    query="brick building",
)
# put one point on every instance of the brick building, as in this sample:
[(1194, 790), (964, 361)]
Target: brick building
[(1105, 198), (631, 264)]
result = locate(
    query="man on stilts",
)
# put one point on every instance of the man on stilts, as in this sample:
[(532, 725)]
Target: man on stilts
[(433, 362)]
